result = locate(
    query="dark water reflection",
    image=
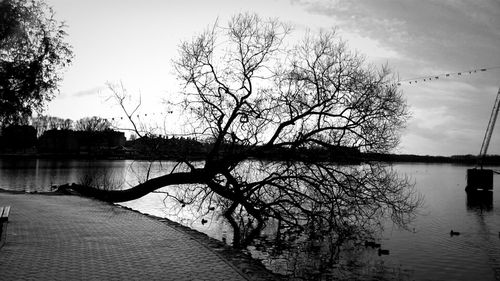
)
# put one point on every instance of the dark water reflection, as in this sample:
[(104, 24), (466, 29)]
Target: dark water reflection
[(425, 251), (479, 201)]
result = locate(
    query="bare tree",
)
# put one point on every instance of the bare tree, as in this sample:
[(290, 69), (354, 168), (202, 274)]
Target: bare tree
[(250, 93), (43, 123), (92, 124), (66, 124)]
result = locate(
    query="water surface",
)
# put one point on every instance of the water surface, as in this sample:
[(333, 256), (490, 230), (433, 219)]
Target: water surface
[(425, 251)]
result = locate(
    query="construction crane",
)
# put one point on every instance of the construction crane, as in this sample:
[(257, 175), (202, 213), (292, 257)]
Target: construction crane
[(489, 129), (483, 178)]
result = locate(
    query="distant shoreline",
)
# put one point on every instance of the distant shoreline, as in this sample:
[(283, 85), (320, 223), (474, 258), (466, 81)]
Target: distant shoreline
[(492, 160)]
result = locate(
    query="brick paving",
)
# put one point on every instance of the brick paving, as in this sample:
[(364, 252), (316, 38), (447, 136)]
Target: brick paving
[(72, 238)]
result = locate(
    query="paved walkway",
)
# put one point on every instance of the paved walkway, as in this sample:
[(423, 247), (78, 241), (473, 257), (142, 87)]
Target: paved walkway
[(72, 238)]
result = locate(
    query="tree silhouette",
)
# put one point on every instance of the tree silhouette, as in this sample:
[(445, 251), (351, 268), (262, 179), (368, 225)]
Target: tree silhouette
[(93, 124), (250, 91), (32, 54), (43, 123)]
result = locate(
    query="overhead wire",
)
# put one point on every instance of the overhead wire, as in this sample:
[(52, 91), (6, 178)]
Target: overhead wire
[(427, 78)]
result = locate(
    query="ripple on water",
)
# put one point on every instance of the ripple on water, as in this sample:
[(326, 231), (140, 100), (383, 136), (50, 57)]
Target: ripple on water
[(472, 255)]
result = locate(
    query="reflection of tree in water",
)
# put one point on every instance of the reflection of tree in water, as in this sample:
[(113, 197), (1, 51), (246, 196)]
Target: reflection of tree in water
[(322, 258), (312, 221), (103, 177)]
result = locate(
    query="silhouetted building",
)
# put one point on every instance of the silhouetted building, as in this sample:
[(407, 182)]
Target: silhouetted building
[(70, 142)]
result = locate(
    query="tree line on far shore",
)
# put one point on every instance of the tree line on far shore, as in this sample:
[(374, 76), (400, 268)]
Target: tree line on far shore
[(33, 134), (25, 140), (44, 123)]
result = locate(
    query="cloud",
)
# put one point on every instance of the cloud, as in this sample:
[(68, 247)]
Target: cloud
[(445, 137), (447, 122), (484, 13), (369, 46), (87, 92), (425, 38), (451, 34)]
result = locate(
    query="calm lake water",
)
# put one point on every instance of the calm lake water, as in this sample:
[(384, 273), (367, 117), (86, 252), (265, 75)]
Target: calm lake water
[(425, 252)]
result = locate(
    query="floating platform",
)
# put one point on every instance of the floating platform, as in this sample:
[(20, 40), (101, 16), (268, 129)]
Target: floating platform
[(479, 179)]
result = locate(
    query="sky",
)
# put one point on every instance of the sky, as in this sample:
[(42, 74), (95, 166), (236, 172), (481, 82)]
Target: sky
[(134, 42)]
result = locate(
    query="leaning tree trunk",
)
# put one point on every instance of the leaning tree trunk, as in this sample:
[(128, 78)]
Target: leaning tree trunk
[(138, 191)]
